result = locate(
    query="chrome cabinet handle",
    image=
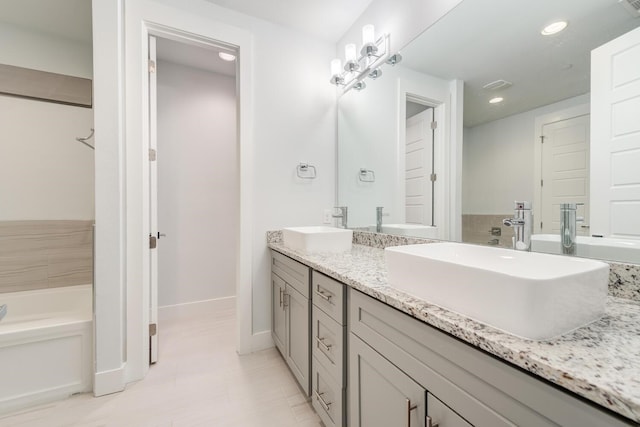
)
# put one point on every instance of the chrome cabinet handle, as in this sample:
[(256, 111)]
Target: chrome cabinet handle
[(430, 422), (323, 295), (280, 297), (284, 299), (320, 341), (324, 404), (410, 408)]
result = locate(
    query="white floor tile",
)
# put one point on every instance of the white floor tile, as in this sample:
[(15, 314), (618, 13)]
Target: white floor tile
[(199, 380)]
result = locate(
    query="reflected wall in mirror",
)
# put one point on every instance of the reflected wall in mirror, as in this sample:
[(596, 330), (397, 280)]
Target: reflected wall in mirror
[(534, 145)]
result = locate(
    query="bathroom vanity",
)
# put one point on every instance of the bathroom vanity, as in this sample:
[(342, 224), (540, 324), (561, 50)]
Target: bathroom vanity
[(379, 357)]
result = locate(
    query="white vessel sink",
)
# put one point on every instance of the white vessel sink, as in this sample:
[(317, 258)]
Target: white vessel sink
[(621, 250), (535, 296), (317, 239)]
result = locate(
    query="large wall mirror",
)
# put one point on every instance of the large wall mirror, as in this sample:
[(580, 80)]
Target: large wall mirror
[(446, 141)]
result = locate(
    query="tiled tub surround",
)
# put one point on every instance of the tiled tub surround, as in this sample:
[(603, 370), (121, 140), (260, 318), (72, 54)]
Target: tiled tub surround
[(477, 229), (600, 362), (45, 254)]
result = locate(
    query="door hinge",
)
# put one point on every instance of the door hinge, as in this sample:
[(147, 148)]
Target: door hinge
[(540, 225), (433, 177), (541, 139), (434, 125), (542, 183), (152, 66), (152, 155), (153, 329), (153, 242)]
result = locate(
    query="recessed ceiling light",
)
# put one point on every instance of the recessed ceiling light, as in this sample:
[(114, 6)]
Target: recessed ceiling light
[(496, 100), (227, 56), (554, 28)]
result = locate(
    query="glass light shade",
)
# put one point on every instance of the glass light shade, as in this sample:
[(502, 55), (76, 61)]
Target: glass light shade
[(336, 67), (350, 52), (368, 34)]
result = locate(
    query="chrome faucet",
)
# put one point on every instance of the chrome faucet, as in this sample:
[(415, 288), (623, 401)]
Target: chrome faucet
[(379, 219), (3, 311), (522, 223), (342, 215), (568, 227)]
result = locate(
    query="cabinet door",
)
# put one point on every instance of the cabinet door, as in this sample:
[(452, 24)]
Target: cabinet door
[(278, 313), (442, 415), (380, 394), (297, 345)]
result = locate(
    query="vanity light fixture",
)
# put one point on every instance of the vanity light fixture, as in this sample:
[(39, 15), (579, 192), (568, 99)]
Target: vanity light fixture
[(496, 100), (554, 28), (373, 55), (226, 56)]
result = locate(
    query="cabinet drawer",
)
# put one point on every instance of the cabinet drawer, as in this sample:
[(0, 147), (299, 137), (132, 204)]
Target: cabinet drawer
[(327, 397), (327, 343), (328, 294), (292, 272)]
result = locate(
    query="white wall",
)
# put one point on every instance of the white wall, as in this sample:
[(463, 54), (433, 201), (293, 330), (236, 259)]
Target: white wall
[(25, 48), (498, 160), (293, 117), (197, 184), (44, 172)]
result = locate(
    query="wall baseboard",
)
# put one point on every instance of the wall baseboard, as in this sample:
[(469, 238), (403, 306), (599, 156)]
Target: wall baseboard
[(261, 341), (108, 382), (170, 313)]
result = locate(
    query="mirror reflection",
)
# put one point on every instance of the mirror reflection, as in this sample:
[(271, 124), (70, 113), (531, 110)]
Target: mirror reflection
[(474, 120)]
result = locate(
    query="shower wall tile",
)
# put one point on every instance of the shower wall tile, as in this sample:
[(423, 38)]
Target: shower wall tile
[(45, 254), (477, 229)]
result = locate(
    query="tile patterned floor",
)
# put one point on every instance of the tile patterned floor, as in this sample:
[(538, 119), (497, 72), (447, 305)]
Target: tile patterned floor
[(198, 381)]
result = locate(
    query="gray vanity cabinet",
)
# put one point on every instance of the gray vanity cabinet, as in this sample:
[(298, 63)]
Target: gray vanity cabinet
[(400, 356), (291, 315), (328, 342)]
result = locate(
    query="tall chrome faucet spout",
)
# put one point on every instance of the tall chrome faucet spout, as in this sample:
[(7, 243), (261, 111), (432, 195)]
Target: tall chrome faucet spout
[(522, 223), (342, 215), (3, 311), (568, 227), (379, 219)]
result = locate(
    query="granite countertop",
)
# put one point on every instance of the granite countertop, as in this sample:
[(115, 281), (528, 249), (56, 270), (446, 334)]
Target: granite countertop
[(600, 362)]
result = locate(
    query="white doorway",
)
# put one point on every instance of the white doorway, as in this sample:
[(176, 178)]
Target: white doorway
[(562, 168), (194, 208)]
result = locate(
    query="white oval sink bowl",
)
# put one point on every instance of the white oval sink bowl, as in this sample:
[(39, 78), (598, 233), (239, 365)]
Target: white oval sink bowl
[(614, 249), (531, 295), (317, 239)]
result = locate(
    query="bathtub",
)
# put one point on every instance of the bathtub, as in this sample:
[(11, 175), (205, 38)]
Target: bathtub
[(46, 345)]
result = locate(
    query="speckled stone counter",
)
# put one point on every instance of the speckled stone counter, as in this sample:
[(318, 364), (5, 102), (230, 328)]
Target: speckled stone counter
[(600, 362)]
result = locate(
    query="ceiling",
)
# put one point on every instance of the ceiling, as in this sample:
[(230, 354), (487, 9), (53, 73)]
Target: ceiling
[(325, 19), (63, 18), (481, 41), (194, 56)]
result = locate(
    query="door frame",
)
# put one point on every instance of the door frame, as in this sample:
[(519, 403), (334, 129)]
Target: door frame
[(447, 105), (540, 122), (167, 22)]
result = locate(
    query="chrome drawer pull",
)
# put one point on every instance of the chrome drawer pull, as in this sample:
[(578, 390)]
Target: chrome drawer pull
[(430, 422), (323, 295), (410, 408), (280, 297), (320, 341), (324, 404)]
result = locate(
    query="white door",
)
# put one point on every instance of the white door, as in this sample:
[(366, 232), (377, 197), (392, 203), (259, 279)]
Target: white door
[(615, 151), (418, 169), (565, 172), (153, 204)]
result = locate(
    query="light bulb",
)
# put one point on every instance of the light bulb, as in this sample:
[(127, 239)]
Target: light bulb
[(336, 67), (368, 35), (350, 52)]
